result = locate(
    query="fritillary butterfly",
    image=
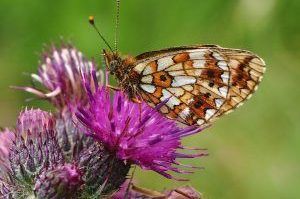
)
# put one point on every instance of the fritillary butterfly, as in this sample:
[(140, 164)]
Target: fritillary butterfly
[(198, 83)]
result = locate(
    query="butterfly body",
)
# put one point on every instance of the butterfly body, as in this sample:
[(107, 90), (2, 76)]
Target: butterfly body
[(198, 83)]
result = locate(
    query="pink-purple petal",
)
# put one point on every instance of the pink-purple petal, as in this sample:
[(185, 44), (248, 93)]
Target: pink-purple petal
[(134, 132)]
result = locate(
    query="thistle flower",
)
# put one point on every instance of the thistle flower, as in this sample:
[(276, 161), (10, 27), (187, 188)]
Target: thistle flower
[(6, 139), (62, 181), (110, 171), (31, 123), (61, 70), (134, 133), (59, 74), (36, 167), (36, 145), (33, 148)]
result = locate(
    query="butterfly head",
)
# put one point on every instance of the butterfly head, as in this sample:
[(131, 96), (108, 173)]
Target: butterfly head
[(113, 61), (121, 68)]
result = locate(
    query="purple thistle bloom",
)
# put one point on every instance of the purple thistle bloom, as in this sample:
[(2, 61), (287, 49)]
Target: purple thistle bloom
[(35, 146), (6, 139), (90, 156), (33, 163), (62, 181), (111, 171), (135, 133), (34, 122), (60, 75)]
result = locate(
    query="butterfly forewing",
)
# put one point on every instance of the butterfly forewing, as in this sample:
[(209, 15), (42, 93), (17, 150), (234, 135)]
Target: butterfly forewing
[(198, 84)]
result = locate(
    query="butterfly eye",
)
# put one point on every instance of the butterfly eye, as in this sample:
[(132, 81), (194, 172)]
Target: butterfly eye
[(113, 65)]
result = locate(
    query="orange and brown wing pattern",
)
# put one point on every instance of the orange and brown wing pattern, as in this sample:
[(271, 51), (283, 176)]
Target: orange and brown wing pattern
[(246, 72), (199, 84)]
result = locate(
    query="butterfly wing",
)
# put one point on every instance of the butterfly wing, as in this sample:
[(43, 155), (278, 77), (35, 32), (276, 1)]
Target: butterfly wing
[(198, 83)]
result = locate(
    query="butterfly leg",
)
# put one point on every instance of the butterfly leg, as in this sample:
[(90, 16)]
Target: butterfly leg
[(139, 101), (113, 87), (136, 100), (148, 192)]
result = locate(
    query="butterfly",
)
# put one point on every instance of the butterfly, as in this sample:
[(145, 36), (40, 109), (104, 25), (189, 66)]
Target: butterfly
[(197, 83)]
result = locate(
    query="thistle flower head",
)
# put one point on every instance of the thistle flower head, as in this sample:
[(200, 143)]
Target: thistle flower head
[(31, 123), (35, 146), (111, 171), (62, 181), (6, 139), (134, 132), (60, 73), (34, 164)]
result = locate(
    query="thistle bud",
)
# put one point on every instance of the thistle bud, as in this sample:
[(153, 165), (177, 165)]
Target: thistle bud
[(59, 182), (111, 171), (35, 146)]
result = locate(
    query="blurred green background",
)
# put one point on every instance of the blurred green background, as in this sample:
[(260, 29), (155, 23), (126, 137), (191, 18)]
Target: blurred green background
[(255, 151)]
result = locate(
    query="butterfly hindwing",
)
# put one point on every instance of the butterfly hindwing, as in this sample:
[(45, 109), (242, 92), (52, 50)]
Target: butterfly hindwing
[(198, 83)]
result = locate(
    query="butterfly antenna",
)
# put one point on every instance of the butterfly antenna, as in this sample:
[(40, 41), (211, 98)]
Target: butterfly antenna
[(117, 25), (92, 22)]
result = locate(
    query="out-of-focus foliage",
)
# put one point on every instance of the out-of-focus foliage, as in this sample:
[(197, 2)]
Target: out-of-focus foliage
[(254, 152)]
